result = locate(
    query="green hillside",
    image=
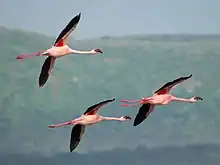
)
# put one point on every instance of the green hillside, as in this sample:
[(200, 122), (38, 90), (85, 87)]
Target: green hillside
[(131, 67), (184, 155)]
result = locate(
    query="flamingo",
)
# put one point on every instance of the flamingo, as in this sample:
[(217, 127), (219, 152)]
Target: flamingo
[(161, 97), (89, 117), (59, 49)]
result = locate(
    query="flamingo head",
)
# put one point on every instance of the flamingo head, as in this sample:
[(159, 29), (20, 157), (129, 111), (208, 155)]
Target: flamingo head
[(127, 117), (98, 51), (198, 98)]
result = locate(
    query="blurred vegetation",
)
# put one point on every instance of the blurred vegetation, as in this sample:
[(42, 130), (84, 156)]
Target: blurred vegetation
[(184, 155), (130, 68)]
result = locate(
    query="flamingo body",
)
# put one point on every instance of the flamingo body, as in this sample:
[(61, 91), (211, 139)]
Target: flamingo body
[(89, 117), (161, 97), (59, 51)]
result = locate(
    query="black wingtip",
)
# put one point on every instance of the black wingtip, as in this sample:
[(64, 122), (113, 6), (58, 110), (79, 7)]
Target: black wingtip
[(44, 72), (72, 149), (187, 77), (138, 119), (74, 145), (43, 79), (76, 18), (190, 76), (110, 100), (79, 16), (136, 123)]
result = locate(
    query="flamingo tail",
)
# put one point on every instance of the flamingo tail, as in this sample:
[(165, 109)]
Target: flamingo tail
[(24, 56)]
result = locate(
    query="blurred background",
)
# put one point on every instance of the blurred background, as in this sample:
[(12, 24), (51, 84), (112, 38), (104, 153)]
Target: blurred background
[(146, 43)]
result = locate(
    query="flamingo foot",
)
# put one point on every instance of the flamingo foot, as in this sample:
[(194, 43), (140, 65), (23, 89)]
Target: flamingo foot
[(51, 126), (60, 125)]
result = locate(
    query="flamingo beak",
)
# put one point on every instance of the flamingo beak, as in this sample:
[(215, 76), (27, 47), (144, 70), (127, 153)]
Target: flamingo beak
[(99, 51), (127, 117), (198, 98)]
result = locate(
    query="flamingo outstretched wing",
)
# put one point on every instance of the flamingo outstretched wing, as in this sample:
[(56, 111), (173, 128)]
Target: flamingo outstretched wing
[(168, 86), (94, 109), (76, 135), (61, 39), (45, 70), (143, 113)]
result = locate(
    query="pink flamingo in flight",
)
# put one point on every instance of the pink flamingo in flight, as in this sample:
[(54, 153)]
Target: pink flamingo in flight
[(161, 97), (90, 117), (59, 49)]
